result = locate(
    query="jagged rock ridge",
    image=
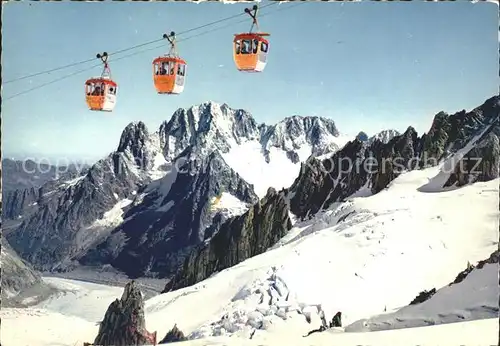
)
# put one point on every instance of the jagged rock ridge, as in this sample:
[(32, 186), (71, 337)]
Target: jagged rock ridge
[(237, 239), (356, 165)]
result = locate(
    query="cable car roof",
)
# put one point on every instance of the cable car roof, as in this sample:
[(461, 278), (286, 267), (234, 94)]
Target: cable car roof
[(101, 80), (252, 34), (169, 58)]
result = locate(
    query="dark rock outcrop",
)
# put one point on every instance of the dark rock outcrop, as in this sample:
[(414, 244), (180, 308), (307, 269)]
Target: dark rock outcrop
[(423, 296), (494, 258), (374, 166), (124, 323), (173, 335), (237, 239)]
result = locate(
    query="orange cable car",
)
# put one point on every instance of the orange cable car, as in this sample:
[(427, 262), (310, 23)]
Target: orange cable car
[(169, 71), (250, 49), (101, 91)]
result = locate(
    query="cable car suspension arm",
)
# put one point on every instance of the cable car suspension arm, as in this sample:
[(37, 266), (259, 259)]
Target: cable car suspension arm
[(106, 72), (173, 46), (255, 10)]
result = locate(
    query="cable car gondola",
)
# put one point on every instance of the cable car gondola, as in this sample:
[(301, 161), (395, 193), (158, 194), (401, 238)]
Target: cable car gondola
[(101, 91), (250, 49), (169, 71)]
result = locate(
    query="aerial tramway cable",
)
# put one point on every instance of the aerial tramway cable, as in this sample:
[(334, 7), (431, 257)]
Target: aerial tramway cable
[(126, 49), (137, 52)]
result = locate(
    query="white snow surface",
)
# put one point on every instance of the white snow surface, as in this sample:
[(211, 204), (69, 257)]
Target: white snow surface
[(280, 172), (476, 297), (229, 205), (247, 160), (360, 257), (113, 217)]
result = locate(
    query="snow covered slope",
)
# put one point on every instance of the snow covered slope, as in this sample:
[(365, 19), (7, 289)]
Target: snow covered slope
[(360, 257), (70, 320), (476, 297)]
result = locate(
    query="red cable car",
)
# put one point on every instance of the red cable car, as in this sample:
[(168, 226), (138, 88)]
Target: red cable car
[(169, 71), (250, 49), (101, 91)]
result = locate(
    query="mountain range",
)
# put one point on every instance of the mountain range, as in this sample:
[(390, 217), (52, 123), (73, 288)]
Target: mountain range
[(211, 188)]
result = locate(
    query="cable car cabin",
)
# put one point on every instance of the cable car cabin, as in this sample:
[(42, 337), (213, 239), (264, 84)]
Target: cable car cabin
[(101, 94), (250, 51), (169, 74)]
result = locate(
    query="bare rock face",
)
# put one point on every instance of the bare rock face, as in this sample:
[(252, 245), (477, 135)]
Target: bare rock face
[(173, 335), (236, 240), (123, 323), (17, 274)]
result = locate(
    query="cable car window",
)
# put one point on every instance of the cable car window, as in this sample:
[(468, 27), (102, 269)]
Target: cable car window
[(255, 46), (164, 68), (96, 91), (247, 47), (263, 47), (112, 90), (237, 47), (181, 69)]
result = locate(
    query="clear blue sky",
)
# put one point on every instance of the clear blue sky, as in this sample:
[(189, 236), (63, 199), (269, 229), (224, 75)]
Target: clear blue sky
[(397, 65)]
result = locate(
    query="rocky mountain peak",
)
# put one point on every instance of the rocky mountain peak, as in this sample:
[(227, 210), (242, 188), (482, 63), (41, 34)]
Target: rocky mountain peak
[(295, 132), (124, 322), (383, 136), (136, 144), (209, 125), (134, 135), (362, 136)]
